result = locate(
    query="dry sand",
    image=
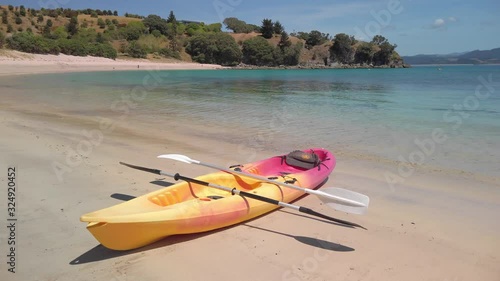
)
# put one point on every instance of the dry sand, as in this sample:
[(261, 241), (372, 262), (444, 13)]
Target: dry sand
[(14, 62), (434, 227)]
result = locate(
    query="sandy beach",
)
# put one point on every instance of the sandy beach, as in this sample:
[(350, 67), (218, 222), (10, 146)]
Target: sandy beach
[(14, 62), (431, 227)]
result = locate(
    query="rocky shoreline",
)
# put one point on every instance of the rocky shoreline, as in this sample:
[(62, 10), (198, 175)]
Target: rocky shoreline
[(320, 66)]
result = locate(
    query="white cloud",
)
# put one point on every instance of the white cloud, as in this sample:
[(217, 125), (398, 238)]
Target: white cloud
[(438, 23), (441, 23)]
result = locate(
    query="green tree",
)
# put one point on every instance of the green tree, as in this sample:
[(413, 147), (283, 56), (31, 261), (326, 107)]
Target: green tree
[(49, 23), (115, 13), (22, 11), (214, 27), (194, 28), (168, 53), (5, 18), (73, 47), (154, 22), (238, 26), (69, 13), (384, 55), (18, 20), (135, 50), (52, 14), (342, 49), (217, 48), (60, 33), (86, 35), (171, 18), (253, 28), (301, 35), (291, 55), (379, 40), (11, 8), (134, 30), (101, 23), (267, 28), (284, 41), (315, 38), (10, 29), (72, 26), (364, 53), (278, 28), (172, 31), (100, 38), (104, 50), (46, 31), (386, 50), (2, 39), (257, 51), (30, 43), (156, 33), (40, 18)]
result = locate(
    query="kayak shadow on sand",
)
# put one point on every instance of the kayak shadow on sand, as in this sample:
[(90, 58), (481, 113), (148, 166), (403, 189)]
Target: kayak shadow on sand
[(100, 253), (314, 242)]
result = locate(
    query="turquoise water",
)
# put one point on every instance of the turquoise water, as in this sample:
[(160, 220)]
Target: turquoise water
[(380, 112)]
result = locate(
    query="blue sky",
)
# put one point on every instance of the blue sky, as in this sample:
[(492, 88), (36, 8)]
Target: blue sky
[(416, 26)]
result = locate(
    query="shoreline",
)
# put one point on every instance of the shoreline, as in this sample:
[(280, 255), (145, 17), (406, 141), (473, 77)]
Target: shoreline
[(317, 66), (18, 63)]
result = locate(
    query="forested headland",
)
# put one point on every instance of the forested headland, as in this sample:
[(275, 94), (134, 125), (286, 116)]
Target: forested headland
[(104, 33)]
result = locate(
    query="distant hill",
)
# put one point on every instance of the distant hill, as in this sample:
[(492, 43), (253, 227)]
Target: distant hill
[(475, 57)]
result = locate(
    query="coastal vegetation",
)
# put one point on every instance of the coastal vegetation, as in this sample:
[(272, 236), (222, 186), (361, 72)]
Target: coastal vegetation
[(105, 33), (2, 39), (215, 48)]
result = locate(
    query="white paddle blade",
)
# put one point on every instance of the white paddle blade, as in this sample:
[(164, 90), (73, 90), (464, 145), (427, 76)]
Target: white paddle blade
[(350, 201), (179, 157)]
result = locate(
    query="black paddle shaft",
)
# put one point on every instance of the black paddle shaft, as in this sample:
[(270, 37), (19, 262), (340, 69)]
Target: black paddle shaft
[(233, 191)]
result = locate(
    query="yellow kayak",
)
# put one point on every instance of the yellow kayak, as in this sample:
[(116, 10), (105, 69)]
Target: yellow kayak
[(188, 207)]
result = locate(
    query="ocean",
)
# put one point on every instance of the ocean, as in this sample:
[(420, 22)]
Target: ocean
[(445, 117)]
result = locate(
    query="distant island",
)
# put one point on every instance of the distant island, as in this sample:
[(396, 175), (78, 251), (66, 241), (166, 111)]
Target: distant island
[(474, 57), (104, 33)]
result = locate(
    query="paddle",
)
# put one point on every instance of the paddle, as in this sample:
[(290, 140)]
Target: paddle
[(234, 191), (338, 198)]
